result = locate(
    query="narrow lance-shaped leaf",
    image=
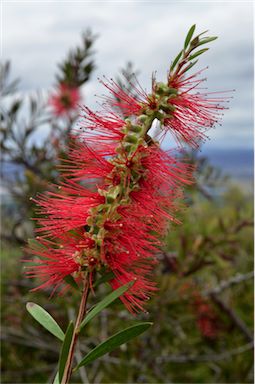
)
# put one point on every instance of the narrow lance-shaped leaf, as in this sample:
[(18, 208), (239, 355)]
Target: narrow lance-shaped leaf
[(70, 280), (45, 319), (65, 350), (207, 40), (202, 33), (113, 342), (176, 61), (189, 66), (104, 279), (105, 302), (189, 36), (198, 53), (31, 264), (56, 380), (33, 243)]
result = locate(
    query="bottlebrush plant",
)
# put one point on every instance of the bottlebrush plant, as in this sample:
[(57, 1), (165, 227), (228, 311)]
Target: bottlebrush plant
[(119, 191), (22, 117)]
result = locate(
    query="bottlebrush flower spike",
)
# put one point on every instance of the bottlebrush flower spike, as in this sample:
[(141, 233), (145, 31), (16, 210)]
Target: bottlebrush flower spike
[(119, 190), (206, 318), (65, 100)]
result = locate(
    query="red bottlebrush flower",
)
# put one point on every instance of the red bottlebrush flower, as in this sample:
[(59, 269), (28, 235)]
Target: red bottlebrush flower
[(53, 261), (206, 317), (194, 112), (117, 193), (180, 106), (119, 189), (207, 326), (122, 99), (65, 100)]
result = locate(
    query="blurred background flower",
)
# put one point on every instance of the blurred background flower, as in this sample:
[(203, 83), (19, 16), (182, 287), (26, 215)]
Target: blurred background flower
[(64, 100)]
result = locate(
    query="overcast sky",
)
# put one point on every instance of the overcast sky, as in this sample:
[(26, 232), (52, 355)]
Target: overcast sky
[(37, 35)]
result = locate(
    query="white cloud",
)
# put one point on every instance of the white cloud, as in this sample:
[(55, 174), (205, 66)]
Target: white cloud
[(37, 35)]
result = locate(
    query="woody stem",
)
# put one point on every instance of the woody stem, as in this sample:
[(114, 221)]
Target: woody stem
[(80, 317)]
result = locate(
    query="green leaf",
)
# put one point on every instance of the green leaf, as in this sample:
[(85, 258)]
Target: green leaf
[(104, 279), (56, 380), (65, 350), (176, 60), (33, 243), (105, 302), (113, 342), (202, 33), (207, 40), (70, 280), (45, 319), (189, 36), (198, 53), (189, 66), (31, 264)]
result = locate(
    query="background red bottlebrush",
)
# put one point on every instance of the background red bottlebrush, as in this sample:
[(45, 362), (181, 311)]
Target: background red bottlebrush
[(65, 100)]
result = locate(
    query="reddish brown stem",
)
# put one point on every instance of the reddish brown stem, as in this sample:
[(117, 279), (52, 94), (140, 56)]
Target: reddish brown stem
[(80, 317)]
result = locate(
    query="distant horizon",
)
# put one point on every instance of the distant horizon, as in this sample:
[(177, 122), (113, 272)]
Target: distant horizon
[(235, 161)]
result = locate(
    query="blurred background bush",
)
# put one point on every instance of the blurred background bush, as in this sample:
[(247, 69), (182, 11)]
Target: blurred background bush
[(203, 312)]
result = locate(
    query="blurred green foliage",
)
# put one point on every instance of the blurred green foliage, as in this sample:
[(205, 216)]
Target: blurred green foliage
[(208, 257)]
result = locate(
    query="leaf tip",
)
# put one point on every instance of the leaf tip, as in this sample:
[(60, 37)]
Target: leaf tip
[(30, 305)]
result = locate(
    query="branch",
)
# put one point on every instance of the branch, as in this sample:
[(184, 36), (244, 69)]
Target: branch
[(10, 335), (201, 358), (243, 224), (238, 278), (239, 323), (77, 353), (81, 314)]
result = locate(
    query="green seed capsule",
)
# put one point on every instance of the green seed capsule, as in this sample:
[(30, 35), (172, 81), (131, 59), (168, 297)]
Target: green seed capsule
[(109, 199), (136, 128), (127, 147), (131, 139), (161, 88), (168, 108), (172, 91), (142, 118)]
